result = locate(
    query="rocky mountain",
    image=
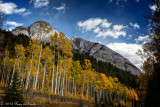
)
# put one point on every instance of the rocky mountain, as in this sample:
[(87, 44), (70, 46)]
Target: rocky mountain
[(33, 31), (103, 53), (98, 51)]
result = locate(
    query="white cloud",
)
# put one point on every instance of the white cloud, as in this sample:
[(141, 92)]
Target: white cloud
[(10, 29), (96, 30), (135, 26), (40, 3), (153, 7), (111, 33), (100, 42), (11, 25), (93, 23), (142, 39), (11, 8), (128, 51), (137, 1), (102, 28), (26, 13), (119, 27), (61, 8), (14, 24)]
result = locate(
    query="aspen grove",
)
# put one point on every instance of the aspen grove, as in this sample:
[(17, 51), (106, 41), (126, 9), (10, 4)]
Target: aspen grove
[(50, 70)]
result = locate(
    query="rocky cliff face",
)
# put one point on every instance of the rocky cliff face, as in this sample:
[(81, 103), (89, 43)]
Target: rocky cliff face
[(103, 53), (98, 51), (33, 31)]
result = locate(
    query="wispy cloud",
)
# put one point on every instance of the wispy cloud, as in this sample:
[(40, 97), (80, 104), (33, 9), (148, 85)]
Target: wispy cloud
[(135, 26), (61, 8), (137, 1), (12, 24), (11, 8), (28, 12), (39, 3), (102, 28), (142, 39)]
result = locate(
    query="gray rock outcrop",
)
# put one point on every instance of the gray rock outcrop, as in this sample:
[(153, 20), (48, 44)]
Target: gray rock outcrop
[(103, 53)]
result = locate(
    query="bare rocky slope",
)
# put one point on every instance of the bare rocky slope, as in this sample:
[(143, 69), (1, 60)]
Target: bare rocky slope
[(98, 51)]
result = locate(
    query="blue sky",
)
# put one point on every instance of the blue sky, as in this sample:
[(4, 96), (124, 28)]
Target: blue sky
[(118, 24)]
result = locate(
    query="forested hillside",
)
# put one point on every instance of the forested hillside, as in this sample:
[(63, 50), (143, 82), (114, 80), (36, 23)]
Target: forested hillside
[(52, 70), (108, 69)]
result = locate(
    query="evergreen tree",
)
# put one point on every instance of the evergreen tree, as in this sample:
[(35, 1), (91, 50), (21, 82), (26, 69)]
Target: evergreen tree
[(149, 85), (153, 95), (13, 93)]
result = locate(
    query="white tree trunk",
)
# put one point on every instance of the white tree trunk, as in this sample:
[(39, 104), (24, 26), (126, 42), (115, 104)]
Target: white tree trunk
[(56, 80), (44, 73), (52, 79), (29, 71), (59, 82), (73, 86), (63, 81), (13, 72), (83, 86), (39, 59)]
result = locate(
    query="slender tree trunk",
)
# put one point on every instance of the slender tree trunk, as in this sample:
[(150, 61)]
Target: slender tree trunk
[(111, 97), (59, 82), (52, 80), (34, 78), (39, 59), (29, 71), (83, 85), (66, 83), (56, 78), (87, 90), (13, 72), (63, 80), (75, 88), (44, 73)]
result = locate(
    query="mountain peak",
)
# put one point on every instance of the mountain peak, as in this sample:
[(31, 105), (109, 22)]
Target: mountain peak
[(33, 31), (75, 36), (41, 22)]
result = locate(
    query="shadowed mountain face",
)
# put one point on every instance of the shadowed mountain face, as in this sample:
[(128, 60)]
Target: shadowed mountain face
[(98, 51), (103, 53)]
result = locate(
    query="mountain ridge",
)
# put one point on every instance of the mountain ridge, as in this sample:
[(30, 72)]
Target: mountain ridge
[(98, 51)]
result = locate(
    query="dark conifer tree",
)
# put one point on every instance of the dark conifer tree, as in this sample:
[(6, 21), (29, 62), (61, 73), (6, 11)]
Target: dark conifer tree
[(153, 90), (13, 92)]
